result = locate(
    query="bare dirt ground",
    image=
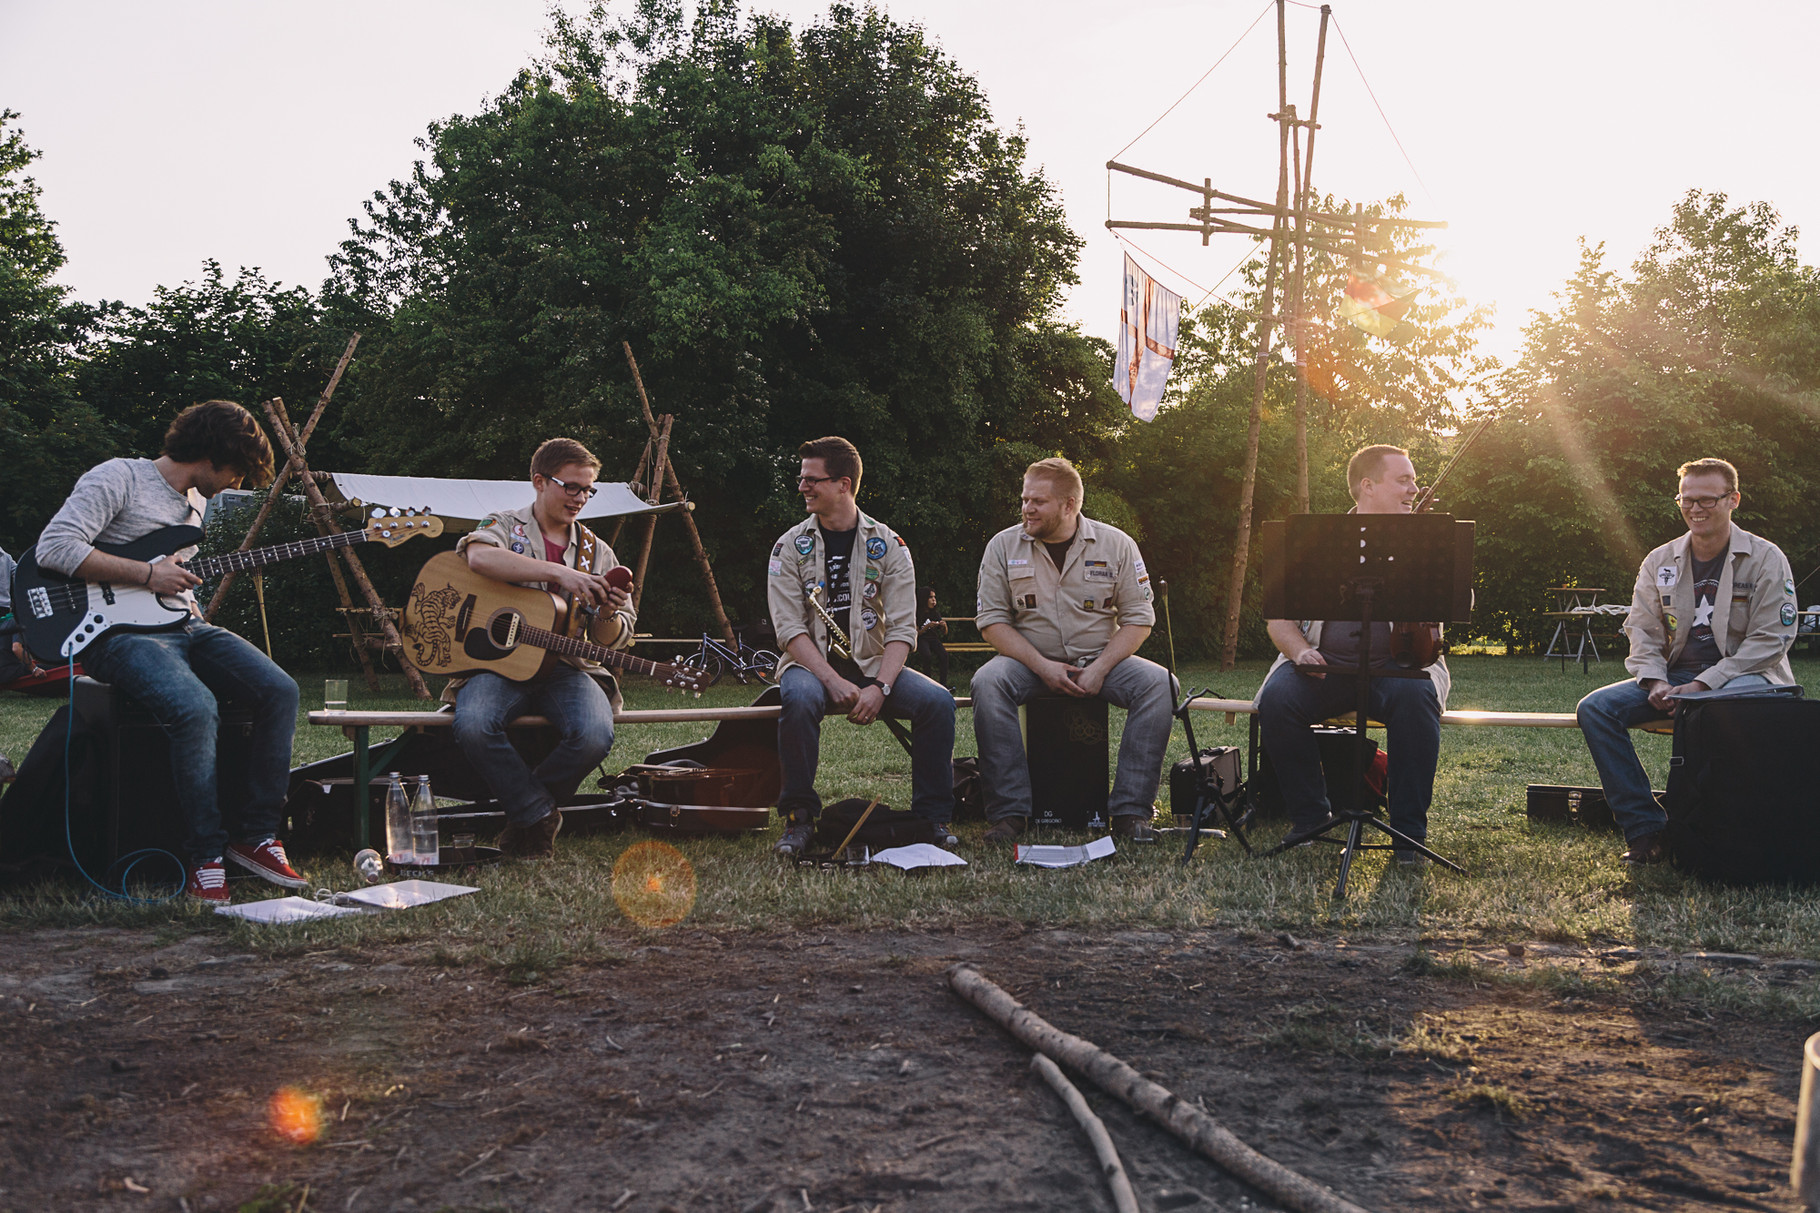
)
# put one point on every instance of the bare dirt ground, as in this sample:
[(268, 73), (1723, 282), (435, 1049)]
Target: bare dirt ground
[(834, 1071)]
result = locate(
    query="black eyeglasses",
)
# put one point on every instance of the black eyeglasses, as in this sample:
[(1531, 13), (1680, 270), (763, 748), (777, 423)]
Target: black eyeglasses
[(1705, 503), (583, 491), (804, 480)]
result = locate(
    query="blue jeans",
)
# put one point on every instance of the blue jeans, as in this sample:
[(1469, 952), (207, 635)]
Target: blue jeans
[(180, 675), (928, 706), (572, 702), (1143, 688), (1605, 718), (1407, 707)]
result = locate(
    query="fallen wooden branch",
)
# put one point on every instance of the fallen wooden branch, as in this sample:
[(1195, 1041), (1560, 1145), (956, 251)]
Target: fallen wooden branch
[(1289, 1188), (1123, 1198)]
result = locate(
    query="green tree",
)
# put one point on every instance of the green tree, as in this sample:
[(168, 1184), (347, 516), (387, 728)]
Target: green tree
[(1711, 347), (800, 234), (47, 435)]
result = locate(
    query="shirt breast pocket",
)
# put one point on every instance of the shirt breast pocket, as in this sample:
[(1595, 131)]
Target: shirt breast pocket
[(1022, 580)]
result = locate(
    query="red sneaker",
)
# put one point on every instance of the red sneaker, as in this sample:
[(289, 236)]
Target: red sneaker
[(267, 859), (208, 884)]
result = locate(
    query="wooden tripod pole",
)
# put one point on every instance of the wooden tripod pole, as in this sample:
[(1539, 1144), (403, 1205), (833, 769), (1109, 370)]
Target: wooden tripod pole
[(1304, 187), (1241, 553), (668, 472), (651, 495), (293, 465)]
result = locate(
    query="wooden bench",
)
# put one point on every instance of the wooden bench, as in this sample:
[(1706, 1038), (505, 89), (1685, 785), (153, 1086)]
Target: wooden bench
[(1234, 708)]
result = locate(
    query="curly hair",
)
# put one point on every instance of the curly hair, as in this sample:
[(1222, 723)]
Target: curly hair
[(223, 433)]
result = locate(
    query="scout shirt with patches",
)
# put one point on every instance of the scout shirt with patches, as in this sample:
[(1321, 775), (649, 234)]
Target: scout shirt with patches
[(1755, 601), (517, 531), (882, 578), (1068, 614)]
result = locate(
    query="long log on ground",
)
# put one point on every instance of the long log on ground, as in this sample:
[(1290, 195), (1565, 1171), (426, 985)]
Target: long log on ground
[(1123, 1198), (1199, 1130)]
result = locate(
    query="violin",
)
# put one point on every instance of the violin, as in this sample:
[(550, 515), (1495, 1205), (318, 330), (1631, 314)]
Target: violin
[(1417, 646)]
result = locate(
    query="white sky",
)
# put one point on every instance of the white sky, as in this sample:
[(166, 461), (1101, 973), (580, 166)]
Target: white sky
[(178, 130)]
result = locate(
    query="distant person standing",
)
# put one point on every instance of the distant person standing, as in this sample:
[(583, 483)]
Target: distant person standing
[(15, 662), (930, 629)]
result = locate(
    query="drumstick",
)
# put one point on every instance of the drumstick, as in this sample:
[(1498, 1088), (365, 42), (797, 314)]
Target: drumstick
[(857, 825)]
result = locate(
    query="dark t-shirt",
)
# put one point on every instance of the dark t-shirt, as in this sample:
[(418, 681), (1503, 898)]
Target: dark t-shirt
[(840, 585), (1340, 643), (1058, 552), (1701, 651)]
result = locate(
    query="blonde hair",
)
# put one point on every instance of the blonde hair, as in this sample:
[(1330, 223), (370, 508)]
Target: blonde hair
[(1060, 474)]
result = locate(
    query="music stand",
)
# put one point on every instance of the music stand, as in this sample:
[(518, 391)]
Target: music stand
[(1366, 567)]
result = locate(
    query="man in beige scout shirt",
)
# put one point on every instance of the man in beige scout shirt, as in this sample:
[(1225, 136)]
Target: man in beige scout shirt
[(1714, 608), (544, 545), (1066, 601), (862, 573)]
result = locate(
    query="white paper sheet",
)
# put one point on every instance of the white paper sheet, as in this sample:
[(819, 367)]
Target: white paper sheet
[(1066, 857), (919, 855), (402, 894), (284, 909)]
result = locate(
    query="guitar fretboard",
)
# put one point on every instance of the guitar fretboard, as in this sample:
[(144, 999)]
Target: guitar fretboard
[(570, 646), (235, 562)]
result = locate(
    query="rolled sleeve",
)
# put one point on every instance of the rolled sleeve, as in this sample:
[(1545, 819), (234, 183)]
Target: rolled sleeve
[(493, 532), (1137, 607), (784, 595), (900, 594), (993, 600)]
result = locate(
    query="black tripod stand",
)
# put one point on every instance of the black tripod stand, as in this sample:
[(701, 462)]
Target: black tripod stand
[(1341, 568)]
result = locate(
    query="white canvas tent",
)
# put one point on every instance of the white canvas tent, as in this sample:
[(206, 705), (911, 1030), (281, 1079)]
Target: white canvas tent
[(461, 504)]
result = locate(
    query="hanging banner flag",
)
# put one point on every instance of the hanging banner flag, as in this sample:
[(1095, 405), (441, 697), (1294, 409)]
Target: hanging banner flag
[(1147, 324), (1368, 306)]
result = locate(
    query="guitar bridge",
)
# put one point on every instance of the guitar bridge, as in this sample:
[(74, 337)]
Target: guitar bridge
[(40, 601)]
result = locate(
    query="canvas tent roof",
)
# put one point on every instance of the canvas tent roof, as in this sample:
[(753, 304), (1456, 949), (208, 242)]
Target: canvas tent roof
[(461, 504)]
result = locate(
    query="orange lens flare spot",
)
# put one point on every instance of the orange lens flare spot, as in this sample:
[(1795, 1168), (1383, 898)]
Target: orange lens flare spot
[(295, 1116), (654, 884)]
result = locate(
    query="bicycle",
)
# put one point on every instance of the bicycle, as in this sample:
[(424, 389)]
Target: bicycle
[(716, 660)]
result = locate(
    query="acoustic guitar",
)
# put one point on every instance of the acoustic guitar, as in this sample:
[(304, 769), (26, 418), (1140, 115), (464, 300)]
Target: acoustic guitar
[(459, 622), (60, 616)]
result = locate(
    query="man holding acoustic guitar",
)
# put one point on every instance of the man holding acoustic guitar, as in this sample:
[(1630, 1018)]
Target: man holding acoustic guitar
[(1297, 695), (546, 546), (182, 668)]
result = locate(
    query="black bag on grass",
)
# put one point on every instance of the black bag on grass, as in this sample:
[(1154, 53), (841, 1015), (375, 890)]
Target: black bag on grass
[(886, 827), (1743, 793)]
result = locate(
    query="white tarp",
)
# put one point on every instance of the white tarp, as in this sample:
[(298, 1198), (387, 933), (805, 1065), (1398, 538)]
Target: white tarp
[(461, 504), (1148, 318)]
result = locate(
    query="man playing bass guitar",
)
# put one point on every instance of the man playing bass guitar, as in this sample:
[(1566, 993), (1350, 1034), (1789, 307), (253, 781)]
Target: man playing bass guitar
[(545, 545), (1382, 481), (180, 671)]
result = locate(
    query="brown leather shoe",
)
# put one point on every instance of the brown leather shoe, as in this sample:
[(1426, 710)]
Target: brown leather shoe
[(1645, 851), (535, 841), (1006, 829)]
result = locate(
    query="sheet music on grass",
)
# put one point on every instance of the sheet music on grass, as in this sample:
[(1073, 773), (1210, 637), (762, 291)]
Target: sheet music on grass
[(398, 895), (1066, 857)]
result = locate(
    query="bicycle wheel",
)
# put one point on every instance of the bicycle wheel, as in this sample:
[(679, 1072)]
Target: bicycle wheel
[(764, 664), (703, 662)]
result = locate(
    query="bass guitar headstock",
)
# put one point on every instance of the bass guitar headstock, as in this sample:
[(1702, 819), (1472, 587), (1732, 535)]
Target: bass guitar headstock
[(394, 526)]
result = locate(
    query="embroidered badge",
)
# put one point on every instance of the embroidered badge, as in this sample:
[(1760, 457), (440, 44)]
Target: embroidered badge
[(1106, 605), (775, 568), (901, 543), (1672, 623), (1667, 575), (1086, 604), (875, 548), (1788, 585), (870, 592), (805, 544), (517, 546), (491, 520), (1137, 566), (1017, 563), (869, 619), (1101, 573), (1029, 601), (777, 549), (1788, 614), (872, 574)]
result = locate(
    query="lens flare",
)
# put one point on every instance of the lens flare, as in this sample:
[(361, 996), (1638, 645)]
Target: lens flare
[(295, 1116), (654, 884)]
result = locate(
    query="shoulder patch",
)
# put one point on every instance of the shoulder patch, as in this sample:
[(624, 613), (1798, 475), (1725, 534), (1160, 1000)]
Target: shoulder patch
[(1788, 615), (805, 544), (777, 549), (875, 548), (489, 520)]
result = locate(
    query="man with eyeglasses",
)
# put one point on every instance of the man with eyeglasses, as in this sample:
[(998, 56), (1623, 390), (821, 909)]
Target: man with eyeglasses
[(1714, 608), (546, 546), (861, 572)]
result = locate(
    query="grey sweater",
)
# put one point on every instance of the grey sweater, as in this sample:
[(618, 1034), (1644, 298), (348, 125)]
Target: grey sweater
[(115, 502)]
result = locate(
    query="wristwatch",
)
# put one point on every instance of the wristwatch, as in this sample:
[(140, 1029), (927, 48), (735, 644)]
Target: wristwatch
[(885, 689)]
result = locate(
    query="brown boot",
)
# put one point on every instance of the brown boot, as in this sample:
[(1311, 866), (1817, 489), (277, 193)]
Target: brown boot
[(1006, 829), (535, 841)]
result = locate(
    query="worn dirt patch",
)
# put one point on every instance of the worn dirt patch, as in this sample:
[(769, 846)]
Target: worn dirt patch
[(829, 1071)]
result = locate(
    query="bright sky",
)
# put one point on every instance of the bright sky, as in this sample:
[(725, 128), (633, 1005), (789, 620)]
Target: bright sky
[(187, 129)]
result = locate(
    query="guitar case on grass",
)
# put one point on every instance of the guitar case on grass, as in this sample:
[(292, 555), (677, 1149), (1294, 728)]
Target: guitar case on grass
[(1743, 794)]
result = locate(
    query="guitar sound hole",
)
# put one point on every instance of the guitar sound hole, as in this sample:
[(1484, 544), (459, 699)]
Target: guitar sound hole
[(502, 630)]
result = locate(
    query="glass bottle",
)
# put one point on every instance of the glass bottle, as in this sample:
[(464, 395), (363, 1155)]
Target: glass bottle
[(398, 845), (425, 840)]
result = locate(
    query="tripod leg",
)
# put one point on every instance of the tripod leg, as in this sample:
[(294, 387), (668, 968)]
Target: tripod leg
[(1352, 848), (1420, 848)]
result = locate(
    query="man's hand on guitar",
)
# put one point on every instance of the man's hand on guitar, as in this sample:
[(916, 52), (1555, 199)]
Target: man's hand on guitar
[(170, 577), (589, 589), (869, 702)]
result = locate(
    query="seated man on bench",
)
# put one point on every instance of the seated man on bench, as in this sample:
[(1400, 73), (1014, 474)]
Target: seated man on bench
[(1382, 480), (1066, 601), (1675, 647)]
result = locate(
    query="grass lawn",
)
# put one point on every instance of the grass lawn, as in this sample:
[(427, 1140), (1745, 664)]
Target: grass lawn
[(1524, 882)]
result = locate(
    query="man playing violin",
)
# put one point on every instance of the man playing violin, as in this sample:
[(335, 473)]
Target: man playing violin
[(1714, 608), (1297, 695), (861, 573), (545, 545)]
